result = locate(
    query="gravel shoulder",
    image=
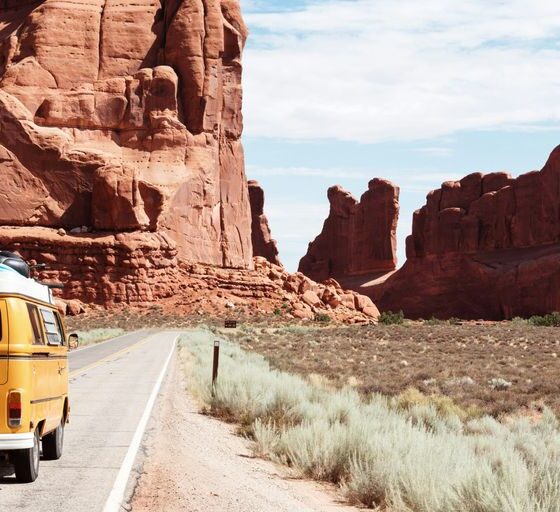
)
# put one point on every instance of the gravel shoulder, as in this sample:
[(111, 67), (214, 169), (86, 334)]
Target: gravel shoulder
[(191, 462)]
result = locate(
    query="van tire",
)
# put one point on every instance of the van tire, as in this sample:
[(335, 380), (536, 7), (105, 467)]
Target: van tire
[(53, 443), (26, 462)]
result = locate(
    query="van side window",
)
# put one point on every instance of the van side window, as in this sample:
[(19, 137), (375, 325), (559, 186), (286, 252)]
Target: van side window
[(60, 328), (35, 325), (54, 336)]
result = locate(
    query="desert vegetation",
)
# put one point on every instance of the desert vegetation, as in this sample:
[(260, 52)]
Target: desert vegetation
[(402, 453), (488, 368)]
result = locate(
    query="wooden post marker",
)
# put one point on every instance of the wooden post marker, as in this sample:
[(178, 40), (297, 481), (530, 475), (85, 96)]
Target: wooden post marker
[(215, 365)]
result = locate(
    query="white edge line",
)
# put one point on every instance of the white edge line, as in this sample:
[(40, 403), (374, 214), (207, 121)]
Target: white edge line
[(116, 497), (108, 341)]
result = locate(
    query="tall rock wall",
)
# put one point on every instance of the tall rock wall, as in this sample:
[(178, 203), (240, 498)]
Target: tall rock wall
[(487, 246), (358, 237), (125, 117), (263, 244)]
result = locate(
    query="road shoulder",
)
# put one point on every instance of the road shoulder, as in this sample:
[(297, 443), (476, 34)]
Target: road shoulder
[(193, 462)]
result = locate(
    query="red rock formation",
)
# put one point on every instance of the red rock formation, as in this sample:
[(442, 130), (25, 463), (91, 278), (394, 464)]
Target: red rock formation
[(141, 269), (122, 163), (125, 117), (104, 269), (483, 247), (358, 238), (263, 244)]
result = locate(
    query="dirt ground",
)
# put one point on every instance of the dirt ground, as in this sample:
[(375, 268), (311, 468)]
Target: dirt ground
[(495, 368), (195, 463), (492, 368)]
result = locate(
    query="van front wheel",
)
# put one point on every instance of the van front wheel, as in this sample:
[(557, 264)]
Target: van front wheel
[(52, 443), (26, 462)]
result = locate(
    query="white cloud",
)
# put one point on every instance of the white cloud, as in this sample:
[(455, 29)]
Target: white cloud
[(374, 70)]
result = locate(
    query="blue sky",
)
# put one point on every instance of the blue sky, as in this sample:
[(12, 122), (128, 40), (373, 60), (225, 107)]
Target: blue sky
[(341, 91)]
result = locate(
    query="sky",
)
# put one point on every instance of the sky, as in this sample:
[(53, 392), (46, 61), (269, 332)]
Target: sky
[(342, 91)]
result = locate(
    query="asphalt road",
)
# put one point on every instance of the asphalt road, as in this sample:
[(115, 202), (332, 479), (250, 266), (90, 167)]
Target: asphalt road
[(110, 387)]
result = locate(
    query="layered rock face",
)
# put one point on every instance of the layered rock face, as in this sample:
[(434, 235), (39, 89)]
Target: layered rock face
[(358, 237), (487, 246), (263, 244), (103, 269), (125, 118), (143, 269)]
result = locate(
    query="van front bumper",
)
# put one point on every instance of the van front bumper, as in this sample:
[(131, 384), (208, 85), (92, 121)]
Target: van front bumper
[(16, 441)]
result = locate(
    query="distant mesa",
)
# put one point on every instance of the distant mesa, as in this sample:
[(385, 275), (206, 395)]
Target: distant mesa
[(484, 247), (487, 246), (263, 244), (358, 237)]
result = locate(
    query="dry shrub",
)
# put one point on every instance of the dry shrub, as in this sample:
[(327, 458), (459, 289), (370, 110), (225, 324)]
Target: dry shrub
[(410, 454)]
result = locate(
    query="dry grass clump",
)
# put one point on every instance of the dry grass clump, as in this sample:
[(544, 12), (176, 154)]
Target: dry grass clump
[(408, 455)]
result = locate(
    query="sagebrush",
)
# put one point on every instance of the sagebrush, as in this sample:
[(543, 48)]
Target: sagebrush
[(385, 455)]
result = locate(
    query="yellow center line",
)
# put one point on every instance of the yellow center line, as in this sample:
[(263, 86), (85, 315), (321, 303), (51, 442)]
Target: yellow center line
[(109, 358)]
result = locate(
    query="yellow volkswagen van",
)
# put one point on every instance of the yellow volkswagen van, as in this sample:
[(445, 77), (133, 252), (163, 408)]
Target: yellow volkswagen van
[(33, 371)]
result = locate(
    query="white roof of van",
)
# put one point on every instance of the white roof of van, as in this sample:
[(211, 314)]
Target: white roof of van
[(13, 283)]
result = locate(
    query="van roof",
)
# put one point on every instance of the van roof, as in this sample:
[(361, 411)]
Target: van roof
[(13, 283)]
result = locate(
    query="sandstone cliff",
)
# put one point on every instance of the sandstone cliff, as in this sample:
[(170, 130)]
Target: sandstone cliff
[(263, 244), (126, 117), (122, 163), (487, 246), (358, 237)]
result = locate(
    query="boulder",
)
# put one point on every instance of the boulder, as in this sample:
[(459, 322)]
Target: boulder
[(74, 308), (311, 299)]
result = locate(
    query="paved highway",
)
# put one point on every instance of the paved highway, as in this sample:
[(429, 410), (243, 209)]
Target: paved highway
[(112, 386)]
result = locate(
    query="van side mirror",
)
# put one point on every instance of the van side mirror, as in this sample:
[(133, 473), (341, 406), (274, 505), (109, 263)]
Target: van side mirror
[(73, 341)]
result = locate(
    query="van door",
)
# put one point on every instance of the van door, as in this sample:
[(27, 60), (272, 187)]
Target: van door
[(4, 343), (55, 366)]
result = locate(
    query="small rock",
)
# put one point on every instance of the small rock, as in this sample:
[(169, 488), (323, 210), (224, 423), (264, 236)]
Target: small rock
[(61, 232)]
